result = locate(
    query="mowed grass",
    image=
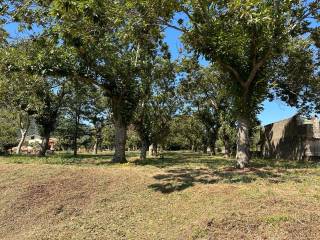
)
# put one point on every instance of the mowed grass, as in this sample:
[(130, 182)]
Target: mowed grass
[(182, 196)]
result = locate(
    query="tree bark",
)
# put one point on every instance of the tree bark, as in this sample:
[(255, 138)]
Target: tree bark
[(23, 137), (120, 119), (243, 143), (98, 133), (75, 146), (120, 141), (95, 147), (213, 148), (44, 145), (24, 127), (155, 149), (143, 150), (227, 150), (213, 139), (75, 135), (205, 149), (196, 148), (205, 142)]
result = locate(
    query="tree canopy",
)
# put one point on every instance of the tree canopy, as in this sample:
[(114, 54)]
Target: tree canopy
[(107, 63)]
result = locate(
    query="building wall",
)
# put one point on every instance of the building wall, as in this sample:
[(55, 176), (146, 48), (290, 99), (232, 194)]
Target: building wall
[(295, 138), (33, 139)]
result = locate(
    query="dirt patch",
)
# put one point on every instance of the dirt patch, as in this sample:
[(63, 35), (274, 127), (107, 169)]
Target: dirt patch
[(70, 191), (49, 201)]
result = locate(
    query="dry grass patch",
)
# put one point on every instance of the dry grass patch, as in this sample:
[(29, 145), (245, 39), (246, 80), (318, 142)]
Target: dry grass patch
[(183, 196)]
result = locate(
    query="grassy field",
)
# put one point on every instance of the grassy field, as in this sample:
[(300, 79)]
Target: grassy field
[(183, 196)]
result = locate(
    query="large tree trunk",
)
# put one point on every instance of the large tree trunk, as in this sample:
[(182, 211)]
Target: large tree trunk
[(205, 142), (155, 149), (75, 146), (213, 148), (23, 137), (243, 143), (143, 150), (97, 143), (196, 147), (76, 130), (120, 118), (75, 135), (227, 150), (213, 139), (205, 148), (120, 141), (44, 145), (95, 147)]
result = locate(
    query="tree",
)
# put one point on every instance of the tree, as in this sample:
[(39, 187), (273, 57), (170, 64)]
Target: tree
[(51, 96), (206, 96), (108, 135), (242, 38), (186, 132), (133, 139), (300, 87), (228, 135), (157, 102), (65, 133), (4, 7), (35, 72), (76, 102), (8, 129), (98, 114), (110, 43), (17, 87)]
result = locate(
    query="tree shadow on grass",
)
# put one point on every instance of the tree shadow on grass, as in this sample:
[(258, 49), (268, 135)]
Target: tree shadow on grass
[(180, 179), (219, 170), (179, 159)]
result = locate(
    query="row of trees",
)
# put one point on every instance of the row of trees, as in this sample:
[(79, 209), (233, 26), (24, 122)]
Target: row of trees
[(255, 50)]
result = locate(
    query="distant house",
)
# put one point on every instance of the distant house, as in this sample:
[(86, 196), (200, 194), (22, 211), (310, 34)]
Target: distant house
[(34, 138), (296, 138)]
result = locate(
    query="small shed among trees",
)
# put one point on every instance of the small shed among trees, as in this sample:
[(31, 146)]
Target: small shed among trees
[(33, 137), (296, 138)]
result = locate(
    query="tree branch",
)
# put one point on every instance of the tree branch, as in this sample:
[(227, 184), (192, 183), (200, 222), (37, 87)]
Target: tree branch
[(232, 71), (172, 26), (91, 81), (256, 68)]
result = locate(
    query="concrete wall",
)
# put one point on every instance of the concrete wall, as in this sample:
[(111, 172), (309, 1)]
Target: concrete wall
[(295, 138)]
